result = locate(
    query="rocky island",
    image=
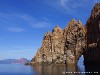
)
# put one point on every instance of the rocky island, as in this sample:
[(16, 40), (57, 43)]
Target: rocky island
[(65, 46)]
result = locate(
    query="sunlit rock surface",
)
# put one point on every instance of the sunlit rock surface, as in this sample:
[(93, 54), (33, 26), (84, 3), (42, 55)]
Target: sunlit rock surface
[(62, 46), (75, 41)]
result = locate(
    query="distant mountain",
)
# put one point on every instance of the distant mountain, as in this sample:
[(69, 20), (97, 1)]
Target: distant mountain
[(23, 61), (14, 61)]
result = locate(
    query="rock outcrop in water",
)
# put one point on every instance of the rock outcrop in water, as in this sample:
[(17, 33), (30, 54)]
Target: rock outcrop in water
[(92, 53), (66, 46), (62, 46)]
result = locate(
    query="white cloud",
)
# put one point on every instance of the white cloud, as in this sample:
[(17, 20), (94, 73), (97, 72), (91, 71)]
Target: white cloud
[(15, 29), (45, 18), (25, 17), (71, 6), (35, 23), (41, 24), (28, 20), (63, 2)]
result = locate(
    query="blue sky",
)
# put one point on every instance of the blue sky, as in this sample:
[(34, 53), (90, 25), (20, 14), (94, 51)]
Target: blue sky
[(23, 23)]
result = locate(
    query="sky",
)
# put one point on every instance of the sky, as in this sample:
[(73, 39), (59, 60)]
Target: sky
[(23, 23)]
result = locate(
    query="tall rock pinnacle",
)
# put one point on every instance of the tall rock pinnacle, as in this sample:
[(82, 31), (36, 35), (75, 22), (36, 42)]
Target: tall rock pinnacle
[(74, 41)]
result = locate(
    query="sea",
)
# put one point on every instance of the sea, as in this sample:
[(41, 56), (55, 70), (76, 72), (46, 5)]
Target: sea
[(19, 69)]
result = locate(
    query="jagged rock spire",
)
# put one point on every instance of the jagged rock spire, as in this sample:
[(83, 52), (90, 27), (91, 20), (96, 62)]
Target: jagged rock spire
[(47, 33), (57, 28), (72, 22), (80, 22), (96, 10)]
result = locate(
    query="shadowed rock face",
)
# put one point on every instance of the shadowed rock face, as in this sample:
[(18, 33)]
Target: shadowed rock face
[(62, 46), (92, 53)]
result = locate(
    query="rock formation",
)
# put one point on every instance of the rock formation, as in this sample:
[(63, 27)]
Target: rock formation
[(92, 53), (66, 46), (62, 46), (75, 41)]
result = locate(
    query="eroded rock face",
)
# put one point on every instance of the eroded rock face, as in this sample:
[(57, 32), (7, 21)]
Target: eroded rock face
[(44, 53), (57, 40), (57, 45), (62, 46), (92, 54), (75, 41)]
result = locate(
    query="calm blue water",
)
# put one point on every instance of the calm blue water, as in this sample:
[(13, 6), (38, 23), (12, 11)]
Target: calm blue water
[(18, 69), (15, 69)]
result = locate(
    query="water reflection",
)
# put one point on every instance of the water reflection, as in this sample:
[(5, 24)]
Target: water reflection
[(60, 69), (78, 69), (57, 70)]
